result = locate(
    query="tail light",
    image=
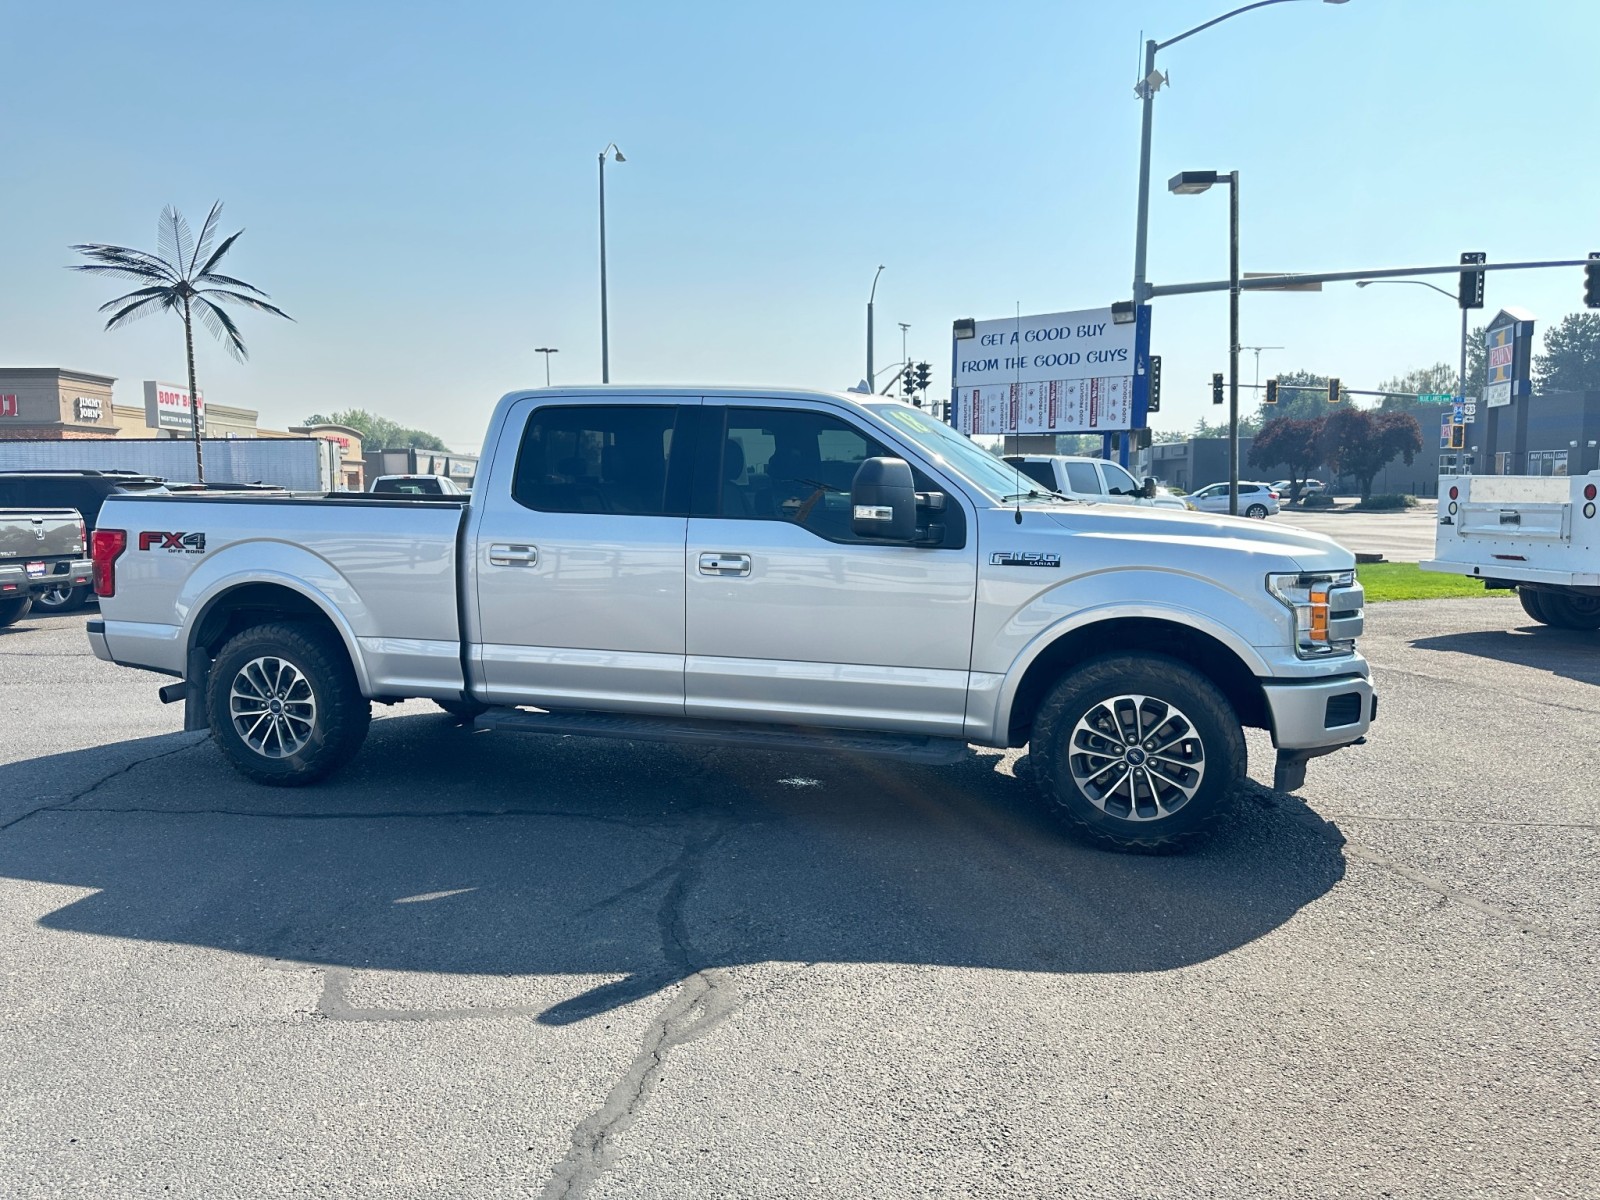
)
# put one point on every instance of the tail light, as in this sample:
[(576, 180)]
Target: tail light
[(83, 535), (106, 547)]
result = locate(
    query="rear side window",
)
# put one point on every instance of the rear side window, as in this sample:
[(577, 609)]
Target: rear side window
[(1039, 472), (1081, 477), (605, 459)]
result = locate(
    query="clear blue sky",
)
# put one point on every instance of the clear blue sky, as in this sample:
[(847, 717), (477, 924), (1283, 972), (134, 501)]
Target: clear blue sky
[(418, 182)]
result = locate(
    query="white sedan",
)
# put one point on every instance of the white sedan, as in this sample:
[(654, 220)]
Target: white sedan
[(1255, 499)]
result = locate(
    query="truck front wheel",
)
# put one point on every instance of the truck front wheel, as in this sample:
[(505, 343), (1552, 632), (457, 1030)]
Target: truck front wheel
[(1138, 752), (285, 705)]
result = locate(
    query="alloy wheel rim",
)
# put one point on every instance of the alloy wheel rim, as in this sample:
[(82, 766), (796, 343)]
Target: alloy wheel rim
[(55, 597), (1137, 758), (272, 706)]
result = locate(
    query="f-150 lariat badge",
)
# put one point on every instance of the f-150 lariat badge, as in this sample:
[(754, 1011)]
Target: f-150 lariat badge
[(1024, 558)]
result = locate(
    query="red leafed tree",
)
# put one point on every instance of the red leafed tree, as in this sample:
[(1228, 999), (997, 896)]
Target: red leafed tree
[(1294, 446), (1360, 443)]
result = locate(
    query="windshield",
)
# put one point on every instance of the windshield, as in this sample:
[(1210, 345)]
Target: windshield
[(965, 457)]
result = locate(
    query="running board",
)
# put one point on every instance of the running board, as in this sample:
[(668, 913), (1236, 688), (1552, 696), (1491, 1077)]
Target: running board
[(930, 751)]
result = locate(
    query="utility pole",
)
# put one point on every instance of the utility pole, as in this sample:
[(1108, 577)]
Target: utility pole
[(904, 357)]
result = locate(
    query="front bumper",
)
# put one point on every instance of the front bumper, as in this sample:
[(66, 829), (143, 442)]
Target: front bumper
[(1319, 713)]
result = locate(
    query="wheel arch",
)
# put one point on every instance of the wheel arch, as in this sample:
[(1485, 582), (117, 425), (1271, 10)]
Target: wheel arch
[(1054, 653), (242, 604)]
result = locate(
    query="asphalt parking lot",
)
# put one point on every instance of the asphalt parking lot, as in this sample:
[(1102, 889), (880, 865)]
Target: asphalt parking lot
[(477, 964)]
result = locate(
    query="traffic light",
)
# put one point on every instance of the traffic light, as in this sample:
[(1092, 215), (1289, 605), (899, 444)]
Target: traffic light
[(1272, 392), (1458, 437), (924, 376), (1333, 390), (1216, 387), (908, 381), (1591, 281), (1154, 377), (1469, 293)]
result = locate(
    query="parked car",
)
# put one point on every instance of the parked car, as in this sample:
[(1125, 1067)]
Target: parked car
[(84, 490), (44, 559), (1094, 479), (1255, 499), (415, 485), (1308, 487), (783, 570)]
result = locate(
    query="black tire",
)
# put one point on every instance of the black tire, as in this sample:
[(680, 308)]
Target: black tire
[(321, 717), (1174, 691), (1256, 512), (60, 599), (1533, 604), (12, 611), (463, 710), (1570, 610)]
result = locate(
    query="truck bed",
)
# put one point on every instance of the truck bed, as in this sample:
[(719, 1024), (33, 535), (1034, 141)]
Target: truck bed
[(1519, 528), (383, 570)]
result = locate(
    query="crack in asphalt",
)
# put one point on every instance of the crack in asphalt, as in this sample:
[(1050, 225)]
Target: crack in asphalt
[(704, 1000), (84, 793)]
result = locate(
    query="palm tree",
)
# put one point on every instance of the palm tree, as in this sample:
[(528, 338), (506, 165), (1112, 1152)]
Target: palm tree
[(182, 278)]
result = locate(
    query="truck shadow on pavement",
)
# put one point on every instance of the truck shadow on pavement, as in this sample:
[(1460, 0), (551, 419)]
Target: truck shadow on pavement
[(443, 850), (1570, 653)]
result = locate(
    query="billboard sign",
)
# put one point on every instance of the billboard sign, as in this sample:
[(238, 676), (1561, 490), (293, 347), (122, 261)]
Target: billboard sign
[(167, 406), (1071, 372)]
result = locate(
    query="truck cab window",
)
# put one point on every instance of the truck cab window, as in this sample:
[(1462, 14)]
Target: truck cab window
[(1082, 478), (610, 459)]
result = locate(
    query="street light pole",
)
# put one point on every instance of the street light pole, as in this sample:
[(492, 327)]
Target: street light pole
[(1146, 89), (1233, 343), (547, 351), (872, 380), (904, 358), (1192, 183), (605, 331)]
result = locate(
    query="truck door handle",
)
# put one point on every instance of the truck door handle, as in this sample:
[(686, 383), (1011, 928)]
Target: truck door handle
[(725, 564), (502, 554)]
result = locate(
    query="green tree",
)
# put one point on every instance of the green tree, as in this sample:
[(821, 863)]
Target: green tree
[(1570, 361), (1361, 442), (1302, 395), (1402, 390), (181, 277), (1292, 445), (1477, 360), (379, 432)]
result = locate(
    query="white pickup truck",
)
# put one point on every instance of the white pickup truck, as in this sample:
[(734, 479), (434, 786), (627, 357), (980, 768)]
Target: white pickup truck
[(1536, 533), (773, 569)]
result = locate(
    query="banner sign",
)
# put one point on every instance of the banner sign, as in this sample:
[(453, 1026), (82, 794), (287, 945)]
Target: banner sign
[(1072, 372), (166, 406)]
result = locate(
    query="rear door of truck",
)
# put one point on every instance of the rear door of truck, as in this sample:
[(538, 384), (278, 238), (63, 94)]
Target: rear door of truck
[(576, 554)]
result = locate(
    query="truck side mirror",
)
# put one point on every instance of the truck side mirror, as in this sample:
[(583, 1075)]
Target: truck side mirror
[(1149, 489), (883, 500)]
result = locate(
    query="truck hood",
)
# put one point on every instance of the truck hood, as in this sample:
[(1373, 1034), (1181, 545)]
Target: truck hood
[(1278, 546)]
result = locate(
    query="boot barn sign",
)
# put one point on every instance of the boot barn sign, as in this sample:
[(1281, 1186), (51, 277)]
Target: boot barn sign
[(1072, 372), (166, 406)]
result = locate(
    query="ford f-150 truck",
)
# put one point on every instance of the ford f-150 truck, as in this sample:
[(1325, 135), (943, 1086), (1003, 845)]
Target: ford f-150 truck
[(774, 569), (42, 552), (1535, 533)]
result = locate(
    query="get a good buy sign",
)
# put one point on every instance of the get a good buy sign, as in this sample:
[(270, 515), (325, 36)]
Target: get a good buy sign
[(1058, 373)]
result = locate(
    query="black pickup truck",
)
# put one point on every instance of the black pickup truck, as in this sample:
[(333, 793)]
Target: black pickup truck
[(42, 550)]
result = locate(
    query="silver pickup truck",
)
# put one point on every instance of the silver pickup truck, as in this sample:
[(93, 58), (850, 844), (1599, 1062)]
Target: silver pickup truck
[(774, 569), (42, 553)]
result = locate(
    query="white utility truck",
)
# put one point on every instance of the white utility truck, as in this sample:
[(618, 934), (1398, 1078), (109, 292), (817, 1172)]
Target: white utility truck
[(1538, 534)]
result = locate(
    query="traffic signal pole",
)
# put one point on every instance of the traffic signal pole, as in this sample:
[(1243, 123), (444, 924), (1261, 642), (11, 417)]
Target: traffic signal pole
[(1233, 343)]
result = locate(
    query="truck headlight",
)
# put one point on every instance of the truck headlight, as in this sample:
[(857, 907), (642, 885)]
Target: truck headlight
[(1327, 608)]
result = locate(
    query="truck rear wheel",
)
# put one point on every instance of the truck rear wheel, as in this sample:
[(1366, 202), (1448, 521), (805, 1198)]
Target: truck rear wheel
[(285, 705), (1533, 604), (1138, 752), (12, 611), (62, 598), (1570, 610)]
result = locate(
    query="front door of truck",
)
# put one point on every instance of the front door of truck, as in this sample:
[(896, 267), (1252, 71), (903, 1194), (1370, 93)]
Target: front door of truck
[(578, 557), (790, 616)]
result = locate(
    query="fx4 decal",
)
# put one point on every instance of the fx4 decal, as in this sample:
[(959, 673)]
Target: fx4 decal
[(180, 543), (1021, 558)]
